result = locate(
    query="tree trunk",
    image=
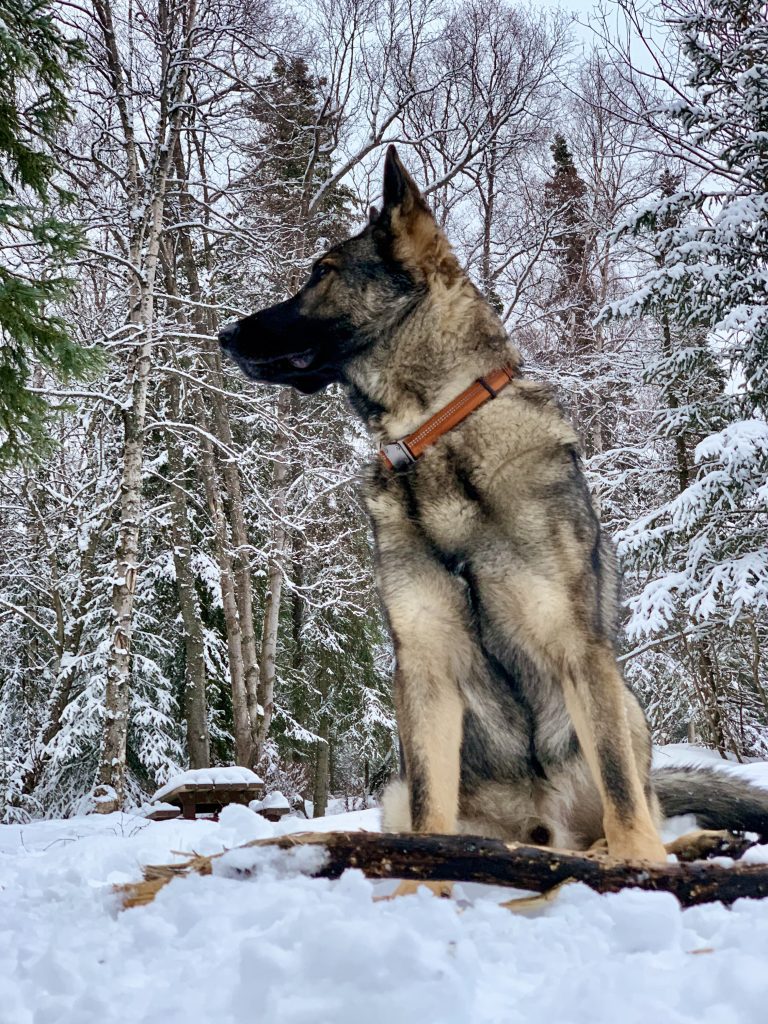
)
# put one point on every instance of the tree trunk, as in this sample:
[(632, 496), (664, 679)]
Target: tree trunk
[(195, 682), (203, 319), (277, 555), (144, 251), (111, 774), (322, 753), (489, 213), (322, 760), (244, 749), (242, 579), (681, 456)]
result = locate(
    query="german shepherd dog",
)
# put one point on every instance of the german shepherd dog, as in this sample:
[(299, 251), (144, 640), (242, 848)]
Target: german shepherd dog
[(499, 587)]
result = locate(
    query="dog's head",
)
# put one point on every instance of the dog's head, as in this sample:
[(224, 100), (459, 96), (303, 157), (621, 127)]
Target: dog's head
[(308, 340)]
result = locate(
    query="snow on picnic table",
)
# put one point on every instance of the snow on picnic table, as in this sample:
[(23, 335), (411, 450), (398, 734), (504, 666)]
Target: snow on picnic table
[(294, 950), (270, 802), (231, 776)]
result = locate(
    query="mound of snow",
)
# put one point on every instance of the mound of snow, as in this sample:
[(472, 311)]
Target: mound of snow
[(271, 800), (291, 949)]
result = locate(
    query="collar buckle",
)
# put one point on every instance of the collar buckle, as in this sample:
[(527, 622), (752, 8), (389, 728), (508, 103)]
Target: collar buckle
[(397, 454)]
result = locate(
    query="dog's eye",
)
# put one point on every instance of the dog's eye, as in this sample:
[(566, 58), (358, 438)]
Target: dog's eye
[(321, 270)]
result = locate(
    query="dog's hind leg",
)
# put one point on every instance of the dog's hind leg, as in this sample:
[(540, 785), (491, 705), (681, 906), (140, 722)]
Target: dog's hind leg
[(597, 703), (553, 626)]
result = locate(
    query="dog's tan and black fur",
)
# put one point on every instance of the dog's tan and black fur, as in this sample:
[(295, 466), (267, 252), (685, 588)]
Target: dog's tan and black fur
[(499, 587)]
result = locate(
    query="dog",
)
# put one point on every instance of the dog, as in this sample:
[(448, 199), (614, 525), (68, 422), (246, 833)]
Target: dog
[(500, 589)]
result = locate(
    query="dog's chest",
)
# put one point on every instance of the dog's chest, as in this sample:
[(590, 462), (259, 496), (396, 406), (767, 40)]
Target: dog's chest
[(430, 505), (449, 507), (450, 522)]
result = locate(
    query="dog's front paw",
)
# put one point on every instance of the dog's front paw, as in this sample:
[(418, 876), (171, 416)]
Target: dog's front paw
[(442, 889)]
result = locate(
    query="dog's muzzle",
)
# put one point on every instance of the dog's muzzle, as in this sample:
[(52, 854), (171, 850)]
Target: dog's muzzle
[(227, 335)]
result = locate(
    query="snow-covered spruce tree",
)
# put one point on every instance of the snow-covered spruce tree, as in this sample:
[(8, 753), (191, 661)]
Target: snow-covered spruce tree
[(598, 173), (58, 531), (37, 240), (319, 618), (573, 297), (703, 548)]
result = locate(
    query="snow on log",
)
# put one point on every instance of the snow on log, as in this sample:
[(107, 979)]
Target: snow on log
[(476, 859)]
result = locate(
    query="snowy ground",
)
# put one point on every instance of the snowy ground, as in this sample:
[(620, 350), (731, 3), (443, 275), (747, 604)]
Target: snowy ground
[(290, 949)]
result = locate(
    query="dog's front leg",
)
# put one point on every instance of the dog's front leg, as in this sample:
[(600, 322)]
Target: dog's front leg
[(429, 716), (427, 610), (426, 616)]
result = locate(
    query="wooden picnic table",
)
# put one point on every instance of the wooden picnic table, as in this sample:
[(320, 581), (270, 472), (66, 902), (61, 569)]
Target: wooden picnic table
[(195, 798), (209, 790)]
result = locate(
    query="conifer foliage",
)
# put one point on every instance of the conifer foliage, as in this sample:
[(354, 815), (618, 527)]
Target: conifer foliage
[(37, 240), (703, 549), (574, 296)]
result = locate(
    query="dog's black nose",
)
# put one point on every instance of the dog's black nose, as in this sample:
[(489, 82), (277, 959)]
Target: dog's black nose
[(228, 333)]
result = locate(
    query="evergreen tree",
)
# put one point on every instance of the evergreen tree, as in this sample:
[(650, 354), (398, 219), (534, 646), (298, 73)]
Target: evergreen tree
[(703, 548), (573, 299), (36, 240), (289, 164), (574, 295)]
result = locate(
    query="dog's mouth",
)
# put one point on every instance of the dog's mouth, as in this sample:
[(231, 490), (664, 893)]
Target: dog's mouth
[(302, 360), (306, 370), (294, 360), (256, 367)]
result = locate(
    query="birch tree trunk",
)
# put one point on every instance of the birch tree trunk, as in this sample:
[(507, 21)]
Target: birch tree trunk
[(242, 577), (145, 250), (238, 564)]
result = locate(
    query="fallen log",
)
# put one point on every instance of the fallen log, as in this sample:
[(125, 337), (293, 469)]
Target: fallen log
[(476, 859)]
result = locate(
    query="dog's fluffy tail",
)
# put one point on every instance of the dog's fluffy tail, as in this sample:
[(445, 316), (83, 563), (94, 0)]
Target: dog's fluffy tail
[(718, 799)]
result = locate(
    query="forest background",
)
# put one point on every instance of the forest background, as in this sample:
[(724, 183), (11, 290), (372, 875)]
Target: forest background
[(185, 573)]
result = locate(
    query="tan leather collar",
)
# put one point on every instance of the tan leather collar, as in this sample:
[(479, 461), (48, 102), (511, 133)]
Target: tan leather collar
[(407, 450)]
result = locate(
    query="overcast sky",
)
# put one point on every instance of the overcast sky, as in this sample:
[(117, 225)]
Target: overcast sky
[(586, 13)]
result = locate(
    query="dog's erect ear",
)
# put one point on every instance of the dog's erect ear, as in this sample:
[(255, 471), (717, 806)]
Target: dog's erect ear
[(373, 215), (413, 232), (399, 187)]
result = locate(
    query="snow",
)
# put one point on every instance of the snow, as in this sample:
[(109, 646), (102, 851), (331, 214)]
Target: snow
[(207, 777), (674, 754), (271, 800), (289, 949)]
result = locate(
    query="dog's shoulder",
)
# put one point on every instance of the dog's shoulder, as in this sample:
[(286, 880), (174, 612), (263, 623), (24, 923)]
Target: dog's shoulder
[(524, 429)]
